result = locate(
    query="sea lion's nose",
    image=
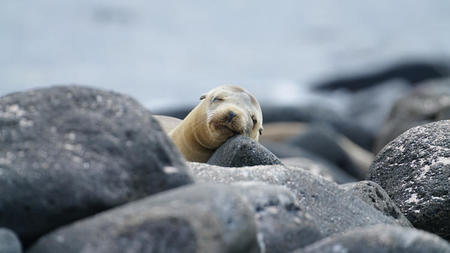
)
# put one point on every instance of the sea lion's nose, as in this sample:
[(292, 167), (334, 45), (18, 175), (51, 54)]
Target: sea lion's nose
[(231, 115)]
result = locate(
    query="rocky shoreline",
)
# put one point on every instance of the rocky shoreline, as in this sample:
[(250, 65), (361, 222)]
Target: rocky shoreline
[(87, 170)]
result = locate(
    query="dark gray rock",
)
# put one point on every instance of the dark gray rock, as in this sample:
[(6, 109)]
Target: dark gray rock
[(9, 243), (242, 151), (197, 218), (331, 208), (412, 71), (414, 169), (372, 193), (331, 173), (70, 152), (281, 221), (380, 239), (323, 141), (426, 103)]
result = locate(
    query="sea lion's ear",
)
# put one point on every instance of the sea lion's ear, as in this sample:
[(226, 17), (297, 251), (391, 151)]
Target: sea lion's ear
[(202, 96), (261, 131)]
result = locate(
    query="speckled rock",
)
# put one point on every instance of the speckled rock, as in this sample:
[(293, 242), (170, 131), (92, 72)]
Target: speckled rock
[(281, 221), (319, 169), (414, 169), (70, 152), (428, 102), (331, 208), (242, 151), (372, 193), (197, 218), (9, 243), (380, 239)]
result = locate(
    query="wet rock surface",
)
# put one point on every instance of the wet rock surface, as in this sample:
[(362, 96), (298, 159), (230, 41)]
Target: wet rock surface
[(69, 152), (414, 170), (380, 239)]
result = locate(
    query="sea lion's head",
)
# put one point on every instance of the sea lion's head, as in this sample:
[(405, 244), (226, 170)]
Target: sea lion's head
[(231, 110)]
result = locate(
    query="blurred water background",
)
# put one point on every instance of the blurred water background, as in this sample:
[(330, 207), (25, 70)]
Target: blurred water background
[(166, 53)]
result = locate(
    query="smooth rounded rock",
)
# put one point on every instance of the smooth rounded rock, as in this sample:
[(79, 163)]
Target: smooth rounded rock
[(242, 151), (69, 152)]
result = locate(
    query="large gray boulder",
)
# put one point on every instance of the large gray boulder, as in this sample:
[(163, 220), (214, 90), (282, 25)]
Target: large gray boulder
[(380, 239), (9, 243), (196, 218), (414, 169), (331, 208), (70, 152)]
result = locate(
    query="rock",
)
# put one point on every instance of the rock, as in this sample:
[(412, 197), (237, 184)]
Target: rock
[(323, 141), (197, 218), (330, 173), (9, 243), (413, 72), (282, 224), (331, 208), (380, 239), (372, 193), (414, 169), (428, 102), (320, 114), (242, 151), (70, 152)]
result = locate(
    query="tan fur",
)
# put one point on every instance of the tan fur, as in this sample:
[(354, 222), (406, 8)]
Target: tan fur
[(208, 125)]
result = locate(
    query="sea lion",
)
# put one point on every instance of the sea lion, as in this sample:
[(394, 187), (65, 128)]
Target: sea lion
[(223, 112)]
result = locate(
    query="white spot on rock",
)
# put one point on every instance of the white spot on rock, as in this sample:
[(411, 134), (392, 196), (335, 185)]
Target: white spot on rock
[(424, 171), (262, 245), (25, 123), (338, 248), (170, 170), (413, 199)]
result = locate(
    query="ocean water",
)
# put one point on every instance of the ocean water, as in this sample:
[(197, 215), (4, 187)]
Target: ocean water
[(167, 53)]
